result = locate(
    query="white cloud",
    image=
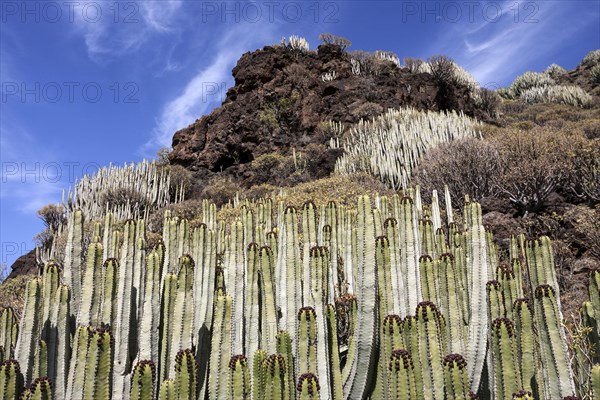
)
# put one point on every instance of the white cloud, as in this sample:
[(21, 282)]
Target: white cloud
[(495, 51), (123, 26), (198, 97)]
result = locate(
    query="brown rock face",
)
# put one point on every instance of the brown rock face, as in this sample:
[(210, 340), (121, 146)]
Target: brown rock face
[(24, 265), (279, 99)]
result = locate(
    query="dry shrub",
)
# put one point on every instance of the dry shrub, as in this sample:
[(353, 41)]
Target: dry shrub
[(488, 101), (467, 166), (220, 190), (188, 209), (53, 215), (587, 229), (269, 165), (298, 76), (329, 38), (591, 128), (366, 110), (585, 172), (534, 164), (442, 69), (12, 293), (181, 176), (341, 189)]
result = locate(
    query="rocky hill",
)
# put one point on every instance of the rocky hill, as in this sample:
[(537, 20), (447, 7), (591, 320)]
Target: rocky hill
[(280, 100)]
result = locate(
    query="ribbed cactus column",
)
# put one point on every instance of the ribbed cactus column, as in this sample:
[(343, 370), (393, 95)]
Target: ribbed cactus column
[(431, 349), (41, 360), (121, 329), (390, 227), (366, 329), (142, 384), (456, 382), (11, 380), (91, 290), (253, 303), (258, 374), (167, 390), (478, 269), (308, 387), (426, 236), (169, 293), (409, 252), (183, 311), (337, 389), (507, 379), (235, 282), (289, 270), (508, 283), (391, 339), (218, 380), (429, 281), (110, 279), (286, 350), (558, 378), (276, 378), (309, 241), (204, 253), (74, 258), (268, 312), (98, 366), (148, 337), (402, 385), (186, 371), (40, 389), (525, 344), (540, 263), (306, 353), (9, 329), (240, 378), (50, 283), (78, 364), (452, 300), (29, 328)]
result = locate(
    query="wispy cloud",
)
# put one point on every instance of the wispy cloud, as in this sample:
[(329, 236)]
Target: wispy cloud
[(495, 50), (206, 89), (124, 27)]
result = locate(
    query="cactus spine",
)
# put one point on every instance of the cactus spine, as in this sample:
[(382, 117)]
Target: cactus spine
[(456, 382), (11, 380), (9, 329), (29, 328), (240, 378)]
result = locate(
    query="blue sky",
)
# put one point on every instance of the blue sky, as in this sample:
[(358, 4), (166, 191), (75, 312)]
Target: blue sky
[(87, 83)]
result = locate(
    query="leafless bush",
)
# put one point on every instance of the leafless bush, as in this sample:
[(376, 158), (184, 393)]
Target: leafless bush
[(339, 41), (467, 166), (442, 69), (534, 164)]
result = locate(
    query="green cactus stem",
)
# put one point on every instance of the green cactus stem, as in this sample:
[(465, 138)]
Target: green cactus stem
[(11, 380), (507, 379), (29, 328), (402, 385), (218, 380), (186, 371), (240, 378), (142, 385), (308, 387), (276, 378), (456, 382), (9, 330), (167, 390), (525, 344), (554, 356)]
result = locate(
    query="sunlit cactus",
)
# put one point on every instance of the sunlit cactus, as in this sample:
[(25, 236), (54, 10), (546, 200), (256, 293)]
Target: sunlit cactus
[(401, 382), (456, 382), (142, 385), (9, 329), (11, 380), (240, 378), (308, 387)]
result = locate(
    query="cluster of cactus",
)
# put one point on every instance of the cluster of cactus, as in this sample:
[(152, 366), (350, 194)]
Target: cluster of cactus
[(150, 184), (389, 299), (409, 132)]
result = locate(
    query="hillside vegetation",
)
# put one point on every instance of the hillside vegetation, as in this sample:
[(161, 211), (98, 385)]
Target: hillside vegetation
[(345, 226)]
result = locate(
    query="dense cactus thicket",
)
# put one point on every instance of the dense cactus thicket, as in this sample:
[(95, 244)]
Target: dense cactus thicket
[(409, 133), (387, 299)]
